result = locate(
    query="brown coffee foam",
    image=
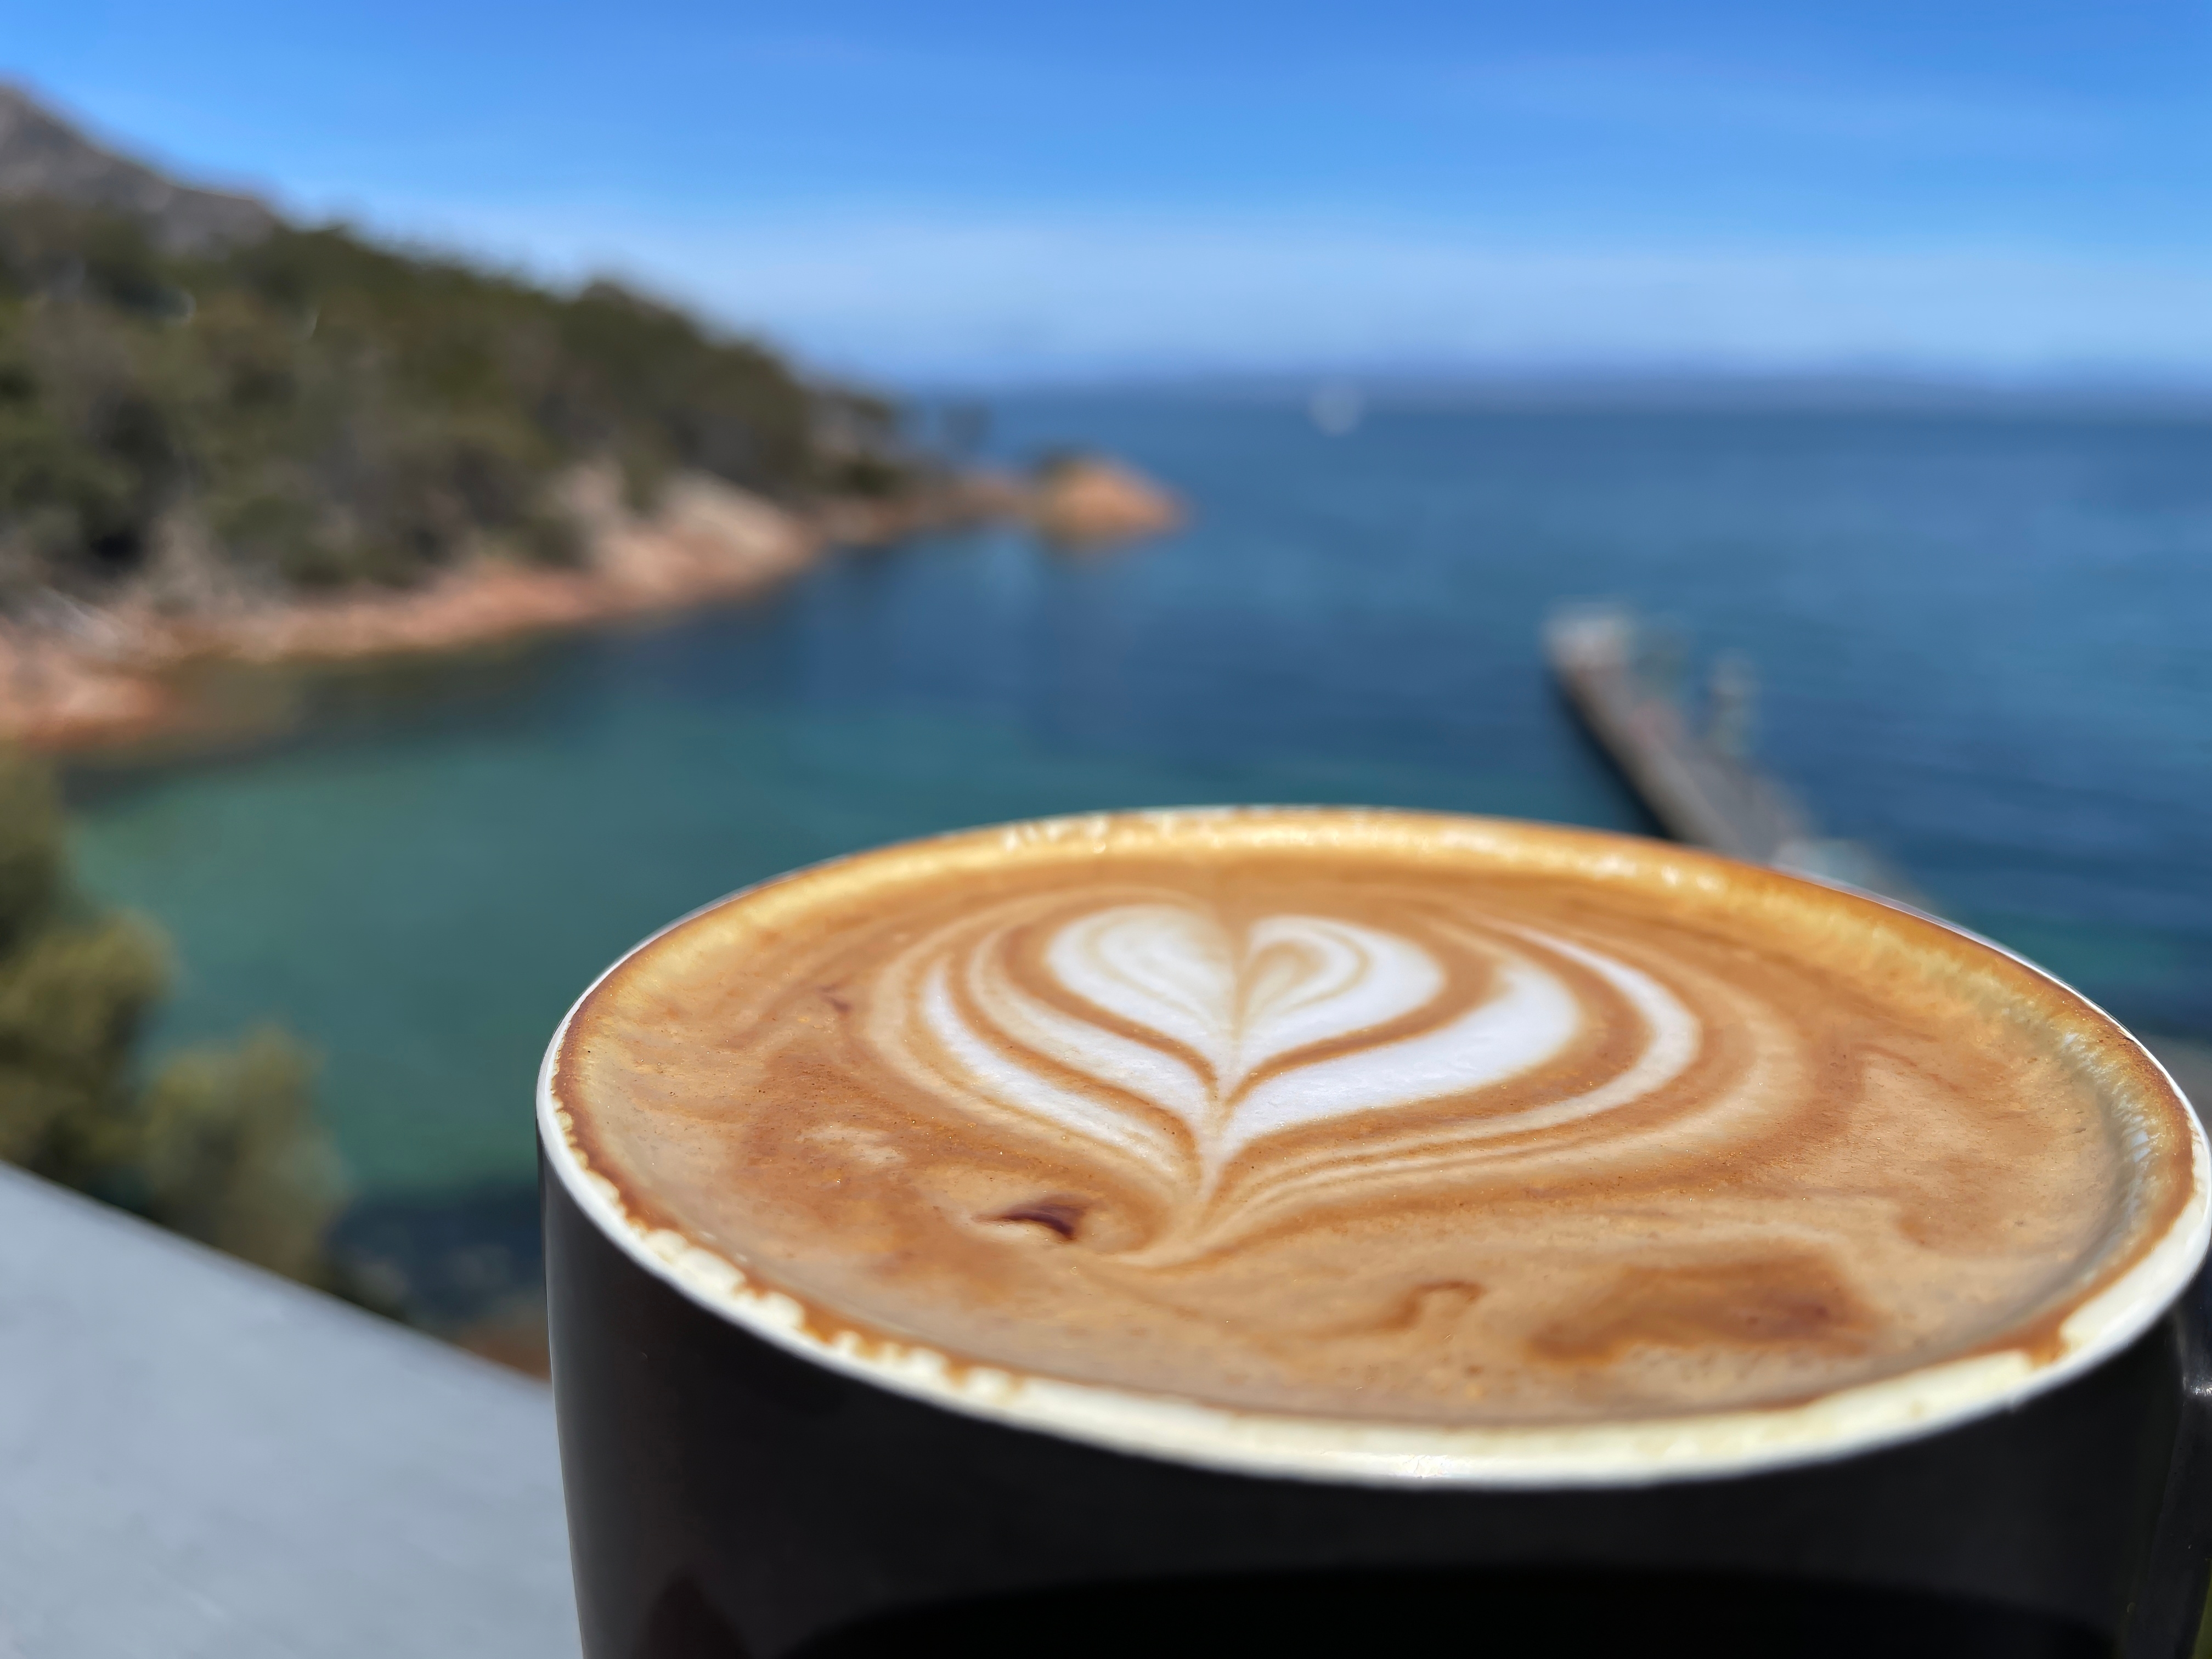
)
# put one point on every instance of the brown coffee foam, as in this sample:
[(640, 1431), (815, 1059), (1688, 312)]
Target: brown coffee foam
[(1893, 1145)]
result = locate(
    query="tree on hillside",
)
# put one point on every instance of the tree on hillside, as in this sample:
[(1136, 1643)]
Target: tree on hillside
[(308, 408), (221, 1145), (226, 1149), (75, 986)]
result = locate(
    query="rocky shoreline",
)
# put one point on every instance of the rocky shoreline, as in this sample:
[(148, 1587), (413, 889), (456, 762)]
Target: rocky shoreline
[(83, 677)]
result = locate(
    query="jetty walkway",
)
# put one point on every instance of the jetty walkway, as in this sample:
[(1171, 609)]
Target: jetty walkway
[(1699, 785), (1620, 677)]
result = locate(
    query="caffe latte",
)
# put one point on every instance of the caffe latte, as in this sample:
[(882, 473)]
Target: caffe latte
[(1368, 1117)]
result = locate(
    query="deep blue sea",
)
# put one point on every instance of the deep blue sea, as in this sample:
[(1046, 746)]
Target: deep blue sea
[(1985, 644)]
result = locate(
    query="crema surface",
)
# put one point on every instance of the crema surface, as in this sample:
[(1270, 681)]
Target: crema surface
[(1372, 1115)]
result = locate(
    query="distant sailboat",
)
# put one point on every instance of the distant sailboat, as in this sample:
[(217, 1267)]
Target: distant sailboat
[(1337, 408)]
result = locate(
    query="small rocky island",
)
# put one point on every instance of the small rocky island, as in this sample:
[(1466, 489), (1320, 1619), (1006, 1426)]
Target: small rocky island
[(225, 436)]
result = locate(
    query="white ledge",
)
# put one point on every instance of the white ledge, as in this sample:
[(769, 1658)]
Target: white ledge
[(200, 1460)]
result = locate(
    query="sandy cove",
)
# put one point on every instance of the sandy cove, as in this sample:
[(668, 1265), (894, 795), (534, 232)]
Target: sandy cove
[(95, 676)]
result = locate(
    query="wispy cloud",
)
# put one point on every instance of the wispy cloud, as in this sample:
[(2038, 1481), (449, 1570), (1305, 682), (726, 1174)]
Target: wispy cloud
[(934, 296), (1680, 95)]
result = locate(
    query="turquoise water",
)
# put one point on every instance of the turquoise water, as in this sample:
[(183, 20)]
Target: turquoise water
[(1982, 644)]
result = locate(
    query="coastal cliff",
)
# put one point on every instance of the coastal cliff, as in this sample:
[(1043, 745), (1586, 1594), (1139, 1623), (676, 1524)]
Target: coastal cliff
[(76, 676), (227, 437), (73, 675)]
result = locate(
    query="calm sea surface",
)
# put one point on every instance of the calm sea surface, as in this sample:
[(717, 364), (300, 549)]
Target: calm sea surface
[(1983, 643)]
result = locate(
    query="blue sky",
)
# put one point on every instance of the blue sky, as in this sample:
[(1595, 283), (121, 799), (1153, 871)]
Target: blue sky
[(991, 191)]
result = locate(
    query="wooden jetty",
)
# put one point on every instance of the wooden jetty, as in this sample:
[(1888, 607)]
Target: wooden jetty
[(1699, 785), (1702, 790)]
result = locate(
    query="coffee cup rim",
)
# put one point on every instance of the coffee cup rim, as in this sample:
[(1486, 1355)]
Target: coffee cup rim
[(1614, 1453)]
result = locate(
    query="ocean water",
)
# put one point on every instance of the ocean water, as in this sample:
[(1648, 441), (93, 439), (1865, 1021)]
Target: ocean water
[(1982, 643)]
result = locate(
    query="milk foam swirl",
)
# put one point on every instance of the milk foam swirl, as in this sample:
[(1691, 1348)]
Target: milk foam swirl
[(1375, 1115), (1246, 1068)]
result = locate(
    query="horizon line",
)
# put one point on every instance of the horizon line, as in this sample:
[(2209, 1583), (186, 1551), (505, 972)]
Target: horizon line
[(1932, 386)]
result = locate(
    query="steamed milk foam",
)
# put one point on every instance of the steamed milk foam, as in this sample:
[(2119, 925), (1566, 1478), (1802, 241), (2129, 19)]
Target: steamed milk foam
[(1373, 1115)]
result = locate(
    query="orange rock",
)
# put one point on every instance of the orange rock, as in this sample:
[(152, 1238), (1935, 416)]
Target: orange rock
[(1089, 501)]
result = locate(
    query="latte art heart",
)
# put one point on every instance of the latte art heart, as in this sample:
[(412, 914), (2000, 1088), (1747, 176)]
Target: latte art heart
[(1377, 1116), (1163, 1035)]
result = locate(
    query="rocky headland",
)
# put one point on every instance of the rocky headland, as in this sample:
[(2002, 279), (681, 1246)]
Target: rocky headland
[(228, 438), (75, 675)]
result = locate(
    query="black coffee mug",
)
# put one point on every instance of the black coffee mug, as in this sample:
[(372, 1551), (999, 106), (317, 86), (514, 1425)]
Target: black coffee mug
[(729, 1498), (742, 1483)]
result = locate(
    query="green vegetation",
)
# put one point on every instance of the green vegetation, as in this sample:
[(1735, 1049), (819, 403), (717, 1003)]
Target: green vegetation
[(311, 410), (304, 410), (220, 1145)]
